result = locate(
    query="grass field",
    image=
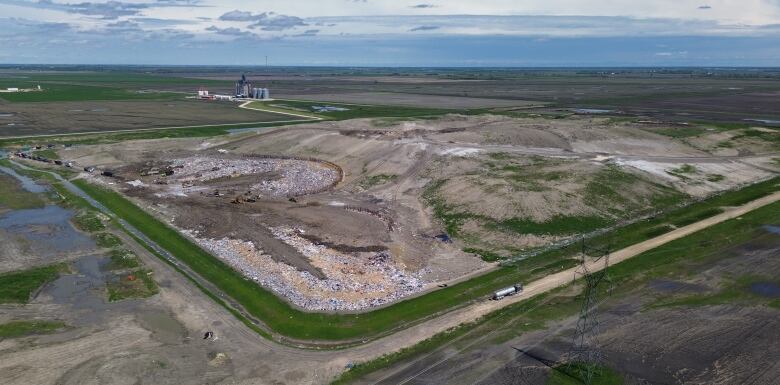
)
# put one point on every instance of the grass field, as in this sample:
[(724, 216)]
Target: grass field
[(48, 153), (54, 92), (80, 86), (17, 286), (25, 328), (282, 318), (13, 197)]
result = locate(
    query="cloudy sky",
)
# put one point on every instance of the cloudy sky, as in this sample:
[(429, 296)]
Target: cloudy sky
[(392, 32)]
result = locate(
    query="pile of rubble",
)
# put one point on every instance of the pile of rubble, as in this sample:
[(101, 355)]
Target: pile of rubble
[(352, 282), (291, 177)]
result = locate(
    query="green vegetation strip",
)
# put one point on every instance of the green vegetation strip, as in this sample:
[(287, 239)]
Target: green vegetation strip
[(25, 328), (285, 320), (18, 286), (376, 180)]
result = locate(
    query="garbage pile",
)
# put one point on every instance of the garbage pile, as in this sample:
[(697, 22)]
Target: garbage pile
[(290, 177), (353, 282)]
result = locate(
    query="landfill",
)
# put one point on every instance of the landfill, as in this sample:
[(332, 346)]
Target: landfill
[(288, 177), (354, 281)]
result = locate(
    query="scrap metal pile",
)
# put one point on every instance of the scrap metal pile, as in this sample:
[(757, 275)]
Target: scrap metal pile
[(353, 281), (290, 177)]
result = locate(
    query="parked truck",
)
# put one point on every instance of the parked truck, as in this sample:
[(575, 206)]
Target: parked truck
[(512, 290)]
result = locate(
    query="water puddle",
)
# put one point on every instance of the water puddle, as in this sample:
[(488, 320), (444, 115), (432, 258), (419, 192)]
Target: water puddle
[(84, 291), (74, 288), (592, 111), (764, 121), (667, 286), (165, 328), (47, 229), (766, 289), (235, 131), (772, 229), (27, 183)]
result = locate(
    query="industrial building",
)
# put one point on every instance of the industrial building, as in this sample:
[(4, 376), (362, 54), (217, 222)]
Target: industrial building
[(17, 89), (243, 90)]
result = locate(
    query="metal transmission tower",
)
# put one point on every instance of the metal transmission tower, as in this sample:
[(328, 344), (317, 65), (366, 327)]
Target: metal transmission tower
[(584, 357)]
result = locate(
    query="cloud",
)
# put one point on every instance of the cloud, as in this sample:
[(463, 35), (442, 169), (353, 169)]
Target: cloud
[(237, 15), (308, 33), (670, 54), (124, 25), (230, 31), (180, 2), (275, 22), (157, 22), (534, 26), (109, 10), (23, 29), (422, 6), (424, 28), (266, 21)]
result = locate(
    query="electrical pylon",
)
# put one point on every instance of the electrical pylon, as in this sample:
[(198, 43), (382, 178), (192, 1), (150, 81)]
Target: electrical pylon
[(585, 357)]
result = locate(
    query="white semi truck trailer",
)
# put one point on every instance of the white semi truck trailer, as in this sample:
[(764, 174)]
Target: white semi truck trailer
[(512, 290)]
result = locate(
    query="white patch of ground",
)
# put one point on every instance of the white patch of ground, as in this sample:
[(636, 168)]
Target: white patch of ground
[(696, 183), (460, 151), (634, 146), (136, 183)]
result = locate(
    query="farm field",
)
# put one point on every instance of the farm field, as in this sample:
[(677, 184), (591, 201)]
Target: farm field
[(29, 119)]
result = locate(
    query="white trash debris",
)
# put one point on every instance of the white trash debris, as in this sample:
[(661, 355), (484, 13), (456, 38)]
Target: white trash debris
[(352, 282)]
